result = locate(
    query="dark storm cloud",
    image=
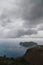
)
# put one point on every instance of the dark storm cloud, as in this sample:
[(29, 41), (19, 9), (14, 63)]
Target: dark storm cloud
[(28, 32), (32, 12)]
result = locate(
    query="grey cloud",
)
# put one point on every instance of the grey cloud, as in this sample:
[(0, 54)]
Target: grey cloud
[(20, 33), (41, 27), (29, 11), (32, 11)]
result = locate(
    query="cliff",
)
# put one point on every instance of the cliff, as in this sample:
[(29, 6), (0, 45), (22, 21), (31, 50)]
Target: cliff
[(34, 56)]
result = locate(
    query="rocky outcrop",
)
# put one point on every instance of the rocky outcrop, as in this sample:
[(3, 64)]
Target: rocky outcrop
[(28, 44)]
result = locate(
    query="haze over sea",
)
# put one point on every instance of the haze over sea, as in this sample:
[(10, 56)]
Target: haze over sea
[(12, 48)]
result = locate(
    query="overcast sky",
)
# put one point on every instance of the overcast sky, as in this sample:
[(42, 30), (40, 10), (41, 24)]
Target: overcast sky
[(21, 18)]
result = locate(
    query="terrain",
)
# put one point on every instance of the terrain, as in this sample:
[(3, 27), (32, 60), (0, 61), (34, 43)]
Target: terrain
[(28, 44), (33, 56)]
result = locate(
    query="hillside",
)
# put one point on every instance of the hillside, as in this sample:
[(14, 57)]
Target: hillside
[(33, 56)]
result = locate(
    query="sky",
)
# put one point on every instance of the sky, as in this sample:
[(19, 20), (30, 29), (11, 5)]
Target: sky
[(21, 18)]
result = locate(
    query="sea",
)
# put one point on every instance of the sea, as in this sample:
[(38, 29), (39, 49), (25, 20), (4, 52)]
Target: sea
[(12, 48)]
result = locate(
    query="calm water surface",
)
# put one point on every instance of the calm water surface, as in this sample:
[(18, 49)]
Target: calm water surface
[(11, 48)]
